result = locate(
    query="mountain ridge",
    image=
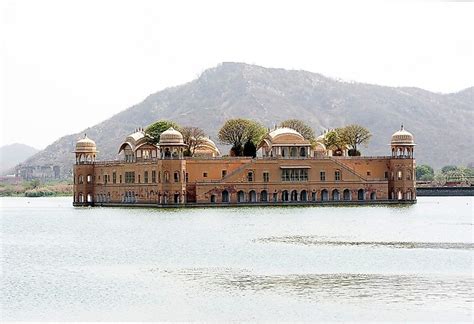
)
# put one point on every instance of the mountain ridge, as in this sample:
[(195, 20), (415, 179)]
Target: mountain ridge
[(271, 95)]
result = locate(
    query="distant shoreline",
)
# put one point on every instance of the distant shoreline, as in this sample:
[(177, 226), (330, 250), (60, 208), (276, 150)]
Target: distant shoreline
[(444, 191)]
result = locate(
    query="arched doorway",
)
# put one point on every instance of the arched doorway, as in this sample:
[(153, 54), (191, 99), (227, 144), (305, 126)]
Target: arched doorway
[(304, 195), (284, 195), (225, 196), (346, 194), (360, 194), (240, 196), (399, 195), (373, 196), (294, 195), (252, 196), (335, 194), (324, 195), (263, 196), (213, 198)]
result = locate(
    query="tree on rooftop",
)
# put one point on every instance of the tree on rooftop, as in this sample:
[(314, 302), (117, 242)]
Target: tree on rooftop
[(154, 130), (354, 135), (237, 132), (301, 127), (193, 137), (333, 141)]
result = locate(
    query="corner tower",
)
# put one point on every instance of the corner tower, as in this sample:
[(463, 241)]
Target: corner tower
[(173, 167), (402, 166), (83, 173)]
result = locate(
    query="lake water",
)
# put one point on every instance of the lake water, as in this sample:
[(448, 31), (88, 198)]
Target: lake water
[(271, 263)]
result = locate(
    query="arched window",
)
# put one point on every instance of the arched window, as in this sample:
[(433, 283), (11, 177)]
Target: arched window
[(89, 197), (346, 195), (304, 195), (89, 178), (324, 195), (335, 194), (302, 152), (213, 198), (166, 176), (294, 195), (263, 196), (284, 195), (225, 196), (399, 175), (240, 196), (399, 195), (360, 194), (293, 152), (314, 196), (252, 196), (176, 176), (373, 195), (80, 179), (250, 176)]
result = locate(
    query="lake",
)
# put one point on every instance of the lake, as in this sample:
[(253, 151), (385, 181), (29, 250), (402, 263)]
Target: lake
[(398, 263)]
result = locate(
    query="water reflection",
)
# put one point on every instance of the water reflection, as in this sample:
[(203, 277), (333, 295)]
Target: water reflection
[(316, 240)]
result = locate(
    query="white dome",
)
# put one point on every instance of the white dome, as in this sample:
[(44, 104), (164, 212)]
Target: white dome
[(402, 137), (171, 137), (85, 145)]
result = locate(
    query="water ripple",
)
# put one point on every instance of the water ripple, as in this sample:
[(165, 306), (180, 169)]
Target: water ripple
[(312, 240), (391, 289)]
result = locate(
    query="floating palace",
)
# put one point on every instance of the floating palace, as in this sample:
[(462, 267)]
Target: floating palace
[(288, 170)]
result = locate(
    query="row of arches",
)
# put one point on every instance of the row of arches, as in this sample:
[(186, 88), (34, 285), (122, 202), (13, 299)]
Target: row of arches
[(399, 194), (294, 196), (81, 198)]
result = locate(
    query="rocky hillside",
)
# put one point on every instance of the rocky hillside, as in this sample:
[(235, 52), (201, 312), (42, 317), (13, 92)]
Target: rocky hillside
[(441, 123)]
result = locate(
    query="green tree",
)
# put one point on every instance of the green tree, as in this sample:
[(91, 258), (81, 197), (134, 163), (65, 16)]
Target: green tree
[(237, 132), (154, 130), (354, 135), (301, 127), (424, 172), (333, 141), (192, 137), (448, 168), (250, 149)]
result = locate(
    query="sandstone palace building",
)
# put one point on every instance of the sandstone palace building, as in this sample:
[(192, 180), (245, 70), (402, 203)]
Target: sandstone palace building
[(287, 170)]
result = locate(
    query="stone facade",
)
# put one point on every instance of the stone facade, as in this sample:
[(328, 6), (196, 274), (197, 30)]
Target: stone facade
[(280, 175)]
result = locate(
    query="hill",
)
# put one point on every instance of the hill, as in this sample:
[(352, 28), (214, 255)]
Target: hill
[(11, 155), (441, 123)]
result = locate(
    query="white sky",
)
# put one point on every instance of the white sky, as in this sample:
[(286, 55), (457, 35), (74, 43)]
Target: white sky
[(67, 65)]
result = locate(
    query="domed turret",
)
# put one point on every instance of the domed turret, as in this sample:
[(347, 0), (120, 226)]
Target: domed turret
[(171, 137), (402, 137), (86, 150), (402, 144), (171, 144)]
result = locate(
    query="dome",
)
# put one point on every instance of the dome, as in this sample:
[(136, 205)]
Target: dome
[(282, 131), (207, 147), (402, 137), (319, 147), (171, 137), (85, 145)]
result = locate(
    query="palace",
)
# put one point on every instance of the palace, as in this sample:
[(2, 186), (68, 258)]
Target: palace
[(288, 170)]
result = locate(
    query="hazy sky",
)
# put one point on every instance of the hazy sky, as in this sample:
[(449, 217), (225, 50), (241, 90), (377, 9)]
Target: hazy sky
[(67, 65)]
